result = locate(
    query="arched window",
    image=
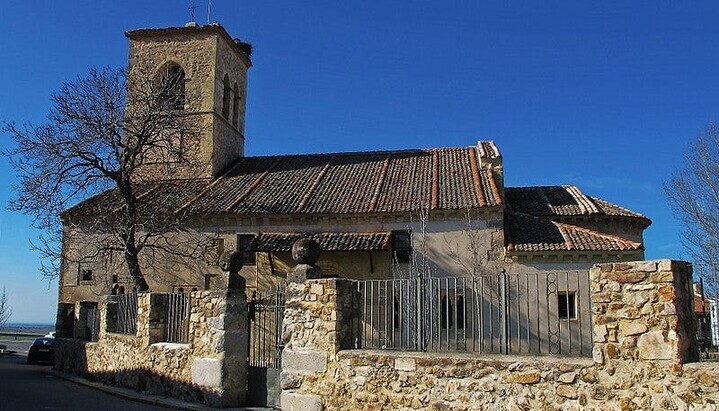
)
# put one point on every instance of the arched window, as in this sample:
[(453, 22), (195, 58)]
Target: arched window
[(173, 87), (226, 97), (236, 106)]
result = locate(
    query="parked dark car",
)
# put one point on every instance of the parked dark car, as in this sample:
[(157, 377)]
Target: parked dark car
[(42, 350)]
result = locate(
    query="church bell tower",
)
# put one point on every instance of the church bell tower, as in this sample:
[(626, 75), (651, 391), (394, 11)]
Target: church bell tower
[(208, 69)]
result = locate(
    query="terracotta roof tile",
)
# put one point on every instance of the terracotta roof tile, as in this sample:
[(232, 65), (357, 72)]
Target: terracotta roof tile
[(340, 183), (562, 201), (528, 233), (487, 149), (327, 241)]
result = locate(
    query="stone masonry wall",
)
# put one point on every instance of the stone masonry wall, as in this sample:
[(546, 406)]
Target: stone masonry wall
[(643, 311), (211, 368), (638, 362)]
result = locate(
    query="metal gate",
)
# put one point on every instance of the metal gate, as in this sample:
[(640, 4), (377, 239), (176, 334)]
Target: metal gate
[(266, 311)]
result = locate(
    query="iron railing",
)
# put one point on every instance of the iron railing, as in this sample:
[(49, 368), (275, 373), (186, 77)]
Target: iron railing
[(266, 312), (92, 327), (178, 317), (706, 308), (536, 313), (127, 313)]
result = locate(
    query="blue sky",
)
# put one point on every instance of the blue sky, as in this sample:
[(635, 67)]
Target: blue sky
[(606, 95)]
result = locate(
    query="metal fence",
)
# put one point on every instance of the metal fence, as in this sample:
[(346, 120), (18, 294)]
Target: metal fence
[(127, 313), (178, 317), (706, 308), (538, 313), (92, 327), (266, 311)]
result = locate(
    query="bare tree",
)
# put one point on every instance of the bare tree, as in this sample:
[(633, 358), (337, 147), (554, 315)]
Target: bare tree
[(693, 194), (469, 250), (5, 310), (102, 135)]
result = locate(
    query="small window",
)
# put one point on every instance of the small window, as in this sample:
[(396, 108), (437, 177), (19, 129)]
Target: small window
[(244, 245), (85, 271), (567, 305), (86, 275), (401, 246), (115, 278)]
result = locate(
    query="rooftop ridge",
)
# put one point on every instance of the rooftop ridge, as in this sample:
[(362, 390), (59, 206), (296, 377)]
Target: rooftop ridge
[(429, 150)]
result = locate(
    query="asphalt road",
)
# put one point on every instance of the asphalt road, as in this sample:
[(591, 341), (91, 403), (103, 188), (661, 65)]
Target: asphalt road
[(32, 387)]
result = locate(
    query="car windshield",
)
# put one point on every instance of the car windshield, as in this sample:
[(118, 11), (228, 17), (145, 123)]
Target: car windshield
[(44, 341)]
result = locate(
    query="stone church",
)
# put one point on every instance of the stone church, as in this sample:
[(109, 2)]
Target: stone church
[(441, 212)]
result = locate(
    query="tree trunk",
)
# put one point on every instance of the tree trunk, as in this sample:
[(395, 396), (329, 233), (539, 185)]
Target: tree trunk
[(133, 265)]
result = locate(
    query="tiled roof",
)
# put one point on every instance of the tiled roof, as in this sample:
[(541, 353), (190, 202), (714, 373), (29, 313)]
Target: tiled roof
[(487, 149), (526, 233), (341, 183), (562, 201), (327, 241), (154, 198)]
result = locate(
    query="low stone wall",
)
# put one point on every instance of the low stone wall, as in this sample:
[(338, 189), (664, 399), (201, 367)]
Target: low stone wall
[(210, 368), (643, 326), (382, 380)]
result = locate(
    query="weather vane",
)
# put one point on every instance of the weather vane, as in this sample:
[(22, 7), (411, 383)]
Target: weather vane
[(192, 9)]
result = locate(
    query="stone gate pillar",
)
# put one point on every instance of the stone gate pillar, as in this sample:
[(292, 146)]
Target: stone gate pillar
[(643, 311), (317, 325), (219, 337)]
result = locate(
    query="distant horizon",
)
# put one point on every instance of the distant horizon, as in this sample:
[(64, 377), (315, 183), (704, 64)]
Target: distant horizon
[(34, 324)]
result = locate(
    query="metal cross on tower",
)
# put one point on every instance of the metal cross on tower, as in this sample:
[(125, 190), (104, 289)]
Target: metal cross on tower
[(192, 8)]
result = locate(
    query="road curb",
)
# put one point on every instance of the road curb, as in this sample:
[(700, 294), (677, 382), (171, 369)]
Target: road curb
[(129, 394)]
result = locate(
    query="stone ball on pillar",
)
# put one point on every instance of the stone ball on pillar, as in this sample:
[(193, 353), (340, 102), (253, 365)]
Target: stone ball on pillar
[(231, 263), (306, 251)]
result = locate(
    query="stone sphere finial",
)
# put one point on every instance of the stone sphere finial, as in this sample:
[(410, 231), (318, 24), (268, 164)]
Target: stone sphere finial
[(306, 251)]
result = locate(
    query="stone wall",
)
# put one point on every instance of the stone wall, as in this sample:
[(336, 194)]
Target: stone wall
[(210, 368), (638, 363), (643, 311)]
